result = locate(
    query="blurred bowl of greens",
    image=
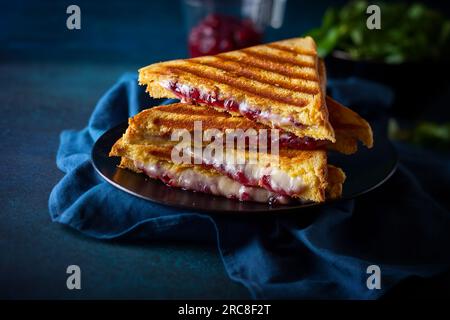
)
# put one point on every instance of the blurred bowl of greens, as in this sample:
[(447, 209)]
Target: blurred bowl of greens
[(410, 53)]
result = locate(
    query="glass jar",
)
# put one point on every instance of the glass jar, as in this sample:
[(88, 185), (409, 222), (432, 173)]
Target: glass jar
[(216, 26)]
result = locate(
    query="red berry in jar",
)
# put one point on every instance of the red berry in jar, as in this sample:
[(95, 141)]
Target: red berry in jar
[(219, 33)]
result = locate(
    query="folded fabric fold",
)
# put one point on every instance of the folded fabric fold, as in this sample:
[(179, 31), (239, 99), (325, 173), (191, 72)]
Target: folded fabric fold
[(317, 253)]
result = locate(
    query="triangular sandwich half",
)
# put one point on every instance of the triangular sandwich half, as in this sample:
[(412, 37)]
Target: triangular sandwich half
[(300, 174), (276, 84)]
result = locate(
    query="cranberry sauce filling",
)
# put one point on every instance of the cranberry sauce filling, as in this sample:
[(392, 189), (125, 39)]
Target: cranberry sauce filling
[(251, 114), (164, 177), (242, 178), (290, 140), (194, 95), (246, 197), (197, 183), (286, 139), (238, 176), (266, 183), (219, 33)]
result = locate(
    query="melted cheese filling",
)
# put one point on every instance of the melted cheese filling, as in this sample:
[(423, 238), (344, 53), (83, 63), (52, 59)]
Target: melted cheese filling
[(268, 177), (275, 119), (194, 180), (184, 92)]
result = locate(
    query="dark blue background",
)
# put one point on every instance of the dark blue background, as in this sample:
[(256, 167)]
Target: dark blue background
[(50, 79)]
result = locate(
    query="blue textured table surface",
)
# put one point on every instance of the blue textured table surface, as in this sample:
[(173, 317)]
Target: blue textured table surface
[(51, 78)]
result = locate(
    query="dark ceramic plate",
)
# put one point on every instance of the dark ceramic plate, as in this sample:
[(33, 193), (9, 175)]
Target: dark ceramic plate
[(365, 170)]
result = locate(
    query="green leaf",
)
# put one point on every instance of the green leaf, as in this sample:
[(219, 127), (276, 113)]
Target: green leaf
[(329, 18), (409, 33), (328, 42), (395, 58), (416, 11), (432, 135), (357, 36)]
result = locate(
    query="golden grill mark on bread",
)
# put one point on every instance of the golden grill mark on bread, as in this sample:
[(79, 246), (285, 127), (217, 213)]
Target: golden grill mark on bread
[(262, 76), (292, 49), (275, 68), (287, 61), (246, 87)]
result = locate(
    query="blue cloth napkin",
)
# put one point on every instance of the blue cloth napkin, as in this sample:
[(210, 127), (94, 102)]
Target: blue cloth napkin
[(319, 253)]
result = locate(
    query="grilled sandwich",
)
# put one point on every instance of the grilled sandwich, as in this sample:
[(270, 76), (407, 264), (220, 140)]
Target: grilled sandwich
[(201, 179), (282, 86), (163, 120), (292, 173), (277, 84)]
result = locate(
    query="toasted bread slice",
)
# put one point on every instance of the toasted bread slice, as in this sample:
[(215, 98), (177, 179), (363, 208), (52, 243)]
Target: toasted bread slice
[(200, 179), (211, 182), (163, 120), (276, 84), (349, 127), (295, 173), (336, 179)]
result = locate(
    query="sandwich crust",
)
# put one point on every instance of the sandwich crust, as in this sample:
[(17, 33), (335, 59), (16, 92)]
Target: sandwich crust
[(349, 127), (336, 179)]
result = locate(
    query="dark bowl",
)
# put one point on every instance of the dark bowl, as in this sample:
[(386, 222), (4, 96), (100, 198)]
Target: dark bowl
[(415, 84)]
